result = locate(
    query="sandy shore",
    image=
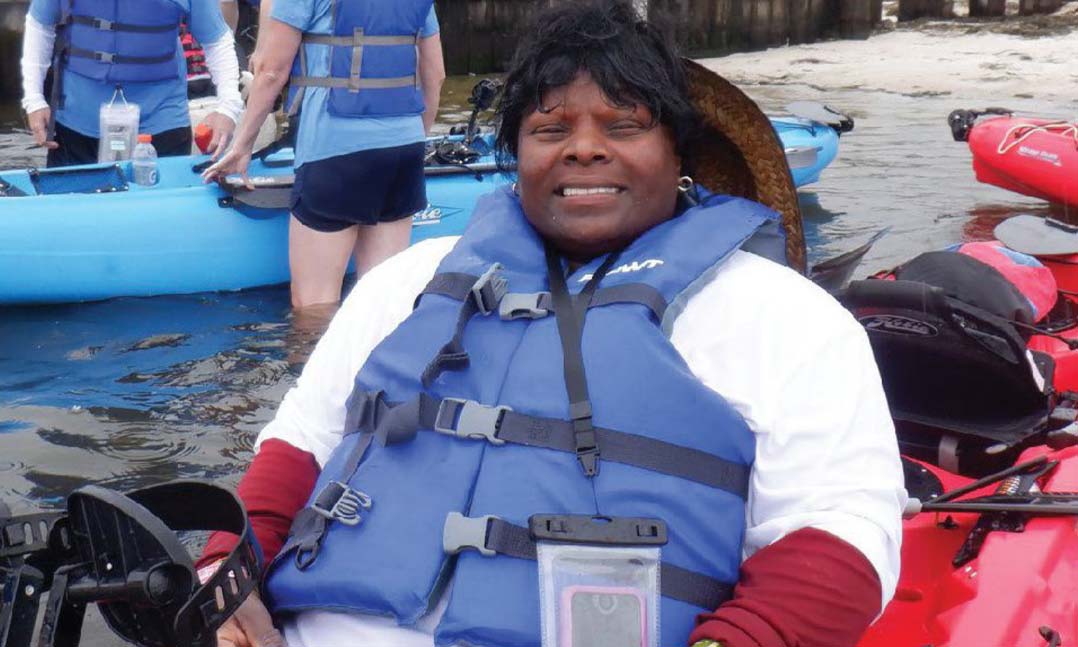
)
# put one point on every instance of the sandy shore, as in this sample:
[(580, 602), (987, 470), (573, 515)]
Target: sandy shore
[(984, 62)]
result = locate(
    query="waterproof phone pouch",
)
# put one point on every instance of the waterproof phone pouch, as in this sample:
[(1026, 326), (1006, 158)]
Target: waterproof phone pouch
[(118, 122), (598, 580)]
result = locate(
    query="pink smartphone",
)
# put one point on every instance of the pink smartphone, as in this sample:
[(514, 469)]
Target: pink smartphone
[(602, 616)]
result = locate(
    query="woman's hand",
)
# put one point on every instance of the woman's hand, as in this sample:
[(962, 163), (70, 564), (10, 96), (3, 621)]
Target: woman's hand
[(39, 126), (250, 626), (222, 127), (235, 161)]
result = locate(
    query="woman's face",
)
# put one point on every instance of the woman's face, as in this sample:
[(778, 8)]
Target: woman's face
[(593, 176)]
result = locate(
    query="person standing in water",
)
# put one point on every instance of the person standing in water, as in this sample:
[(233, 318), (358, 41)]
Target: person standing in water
[(96, 47), (366, 78)]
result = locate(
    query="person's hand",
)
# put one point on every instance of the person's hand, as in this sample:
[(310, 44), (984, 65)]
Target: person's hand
[(222, 127), (39, 126), (254, 60), (250, 626), (235, 161)]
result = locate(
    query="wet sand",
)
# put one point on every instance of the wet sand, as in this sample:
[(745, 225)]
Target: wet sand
[(972, 60)]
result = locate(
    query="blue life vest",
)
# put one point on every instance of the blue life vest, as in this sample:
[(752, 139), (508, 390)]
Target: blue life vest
[(122, 41), (489, 436), (373, 59)]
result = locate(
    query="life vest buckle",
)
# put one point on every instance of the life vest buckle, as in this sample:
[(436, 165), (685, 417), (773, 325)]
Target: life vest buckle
[(470, 419), (101, 23), (461, 533), (104, 57), (520, 305), (341, 503), (489, 289)]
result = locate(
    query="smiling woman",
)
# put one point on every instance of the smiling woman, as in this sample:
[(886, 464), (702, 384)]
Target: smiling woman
[(604, 341)]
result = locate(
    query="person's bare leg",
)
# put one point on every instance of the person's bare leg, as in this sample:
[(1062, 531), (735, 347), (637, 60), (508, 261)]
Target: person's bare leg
[(375, 244), (318, 261)]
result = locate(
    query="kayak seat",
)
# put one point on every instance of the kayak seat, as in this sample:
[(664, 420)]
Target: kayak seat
[(964, 391), (93, 179)]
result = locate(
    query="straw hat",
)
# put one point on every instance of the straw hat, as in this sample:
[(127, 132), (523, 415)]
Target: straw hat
[(740, 154)]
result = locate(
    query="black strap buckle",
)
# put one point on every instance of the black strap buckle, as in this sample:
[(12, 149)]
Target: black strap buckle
[(470, 419), (104, 57), (462, 533), (101, 23), (584, 436), (339, 502), (518, 305), (489, 289)]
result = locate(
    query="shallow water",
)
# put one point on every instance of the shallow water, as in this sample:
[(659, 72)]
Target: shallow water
[(130, 392)]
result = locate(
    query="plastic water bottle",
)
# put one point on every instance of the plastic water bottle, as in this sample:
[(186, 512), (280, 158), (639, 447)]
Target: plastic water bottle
[(144, 161)]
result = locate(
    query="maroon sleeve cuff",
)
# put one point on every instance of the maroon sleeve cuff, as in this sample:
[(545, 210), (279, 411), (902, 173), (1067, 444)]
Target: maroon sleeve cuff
[(809, 589), (275, 487)]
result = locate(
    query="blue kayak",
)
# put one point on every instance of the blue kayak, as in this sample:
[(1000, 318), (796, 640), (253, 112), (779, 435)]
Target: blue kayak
[(88, 232), (810, 147)]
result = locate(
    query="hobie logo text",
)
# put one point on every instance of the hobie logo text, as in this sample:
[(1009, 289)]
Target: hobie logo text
[(634, 266)]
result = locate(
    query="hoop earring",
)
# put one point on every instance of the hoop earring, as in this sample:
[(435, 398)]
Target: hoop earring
[(685, 186)]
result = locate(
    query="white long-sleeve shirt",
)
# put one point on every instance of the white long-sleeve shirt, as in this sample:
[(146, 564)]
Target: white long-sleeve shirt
[(779, 349), (39, 41)]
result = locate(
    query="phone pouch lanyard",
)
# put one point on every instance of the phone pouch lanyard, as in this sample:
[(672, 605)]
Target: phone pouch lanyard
[(598, 579)]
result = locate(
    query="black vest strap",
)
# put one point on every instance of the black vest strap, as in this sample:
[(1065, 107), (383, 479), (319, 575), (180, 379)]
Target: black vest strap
[(498, 537), (108, 25), (498, 425), (482, 298), (109, 57), (570, 314), (535, 305)]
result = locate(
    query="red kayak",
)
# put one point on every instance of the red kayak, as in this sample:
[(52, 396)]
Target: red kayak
[(976, 348), (1034, 157)]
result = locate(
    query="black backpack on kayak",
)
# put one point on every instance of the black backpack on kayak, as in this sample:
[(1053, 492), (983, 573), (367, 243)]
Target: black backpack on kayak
[(949, 335)]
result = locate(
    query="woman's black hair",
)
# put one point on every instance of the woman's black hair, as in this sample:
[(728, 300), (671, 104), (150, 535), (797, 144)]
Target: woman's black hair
[(631, 60)]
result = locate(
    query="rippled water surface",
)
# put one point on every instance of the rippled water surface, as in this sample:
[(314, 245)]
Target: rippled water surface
[(129, 392)]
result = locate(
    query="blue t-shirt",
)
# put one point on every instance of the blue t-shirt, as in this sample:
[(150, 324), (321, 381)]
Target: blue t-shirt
[(321, 134), (163, 105)]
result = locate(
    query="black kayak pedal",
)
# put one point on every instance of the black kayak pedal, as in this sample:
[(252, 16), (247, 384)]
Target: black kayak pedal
[(121, 552)]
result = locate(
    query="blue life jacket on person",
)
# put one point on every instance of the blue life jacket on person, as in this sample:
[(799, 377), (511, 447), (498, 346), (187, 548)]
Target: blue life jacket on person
[(122, 42), (458, 453), (373, 59)]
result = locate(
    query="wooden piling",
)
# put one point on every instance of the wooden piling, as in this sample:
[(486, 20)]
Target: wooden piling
[(987, 8), (1029, 7), (855, 18), (913, 9)]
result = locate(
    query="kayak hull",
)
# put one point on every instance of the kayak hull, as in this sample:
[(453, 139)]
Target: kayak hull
[(176, 238), (1033, 157), (1019, 582), (810, 147)]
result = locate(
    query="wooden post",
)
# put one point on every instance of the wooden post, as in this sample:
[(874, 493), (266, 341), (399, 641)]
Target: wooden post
[(913, 9), (855, 18), (1027, 7), (987, 8), (877, 12)]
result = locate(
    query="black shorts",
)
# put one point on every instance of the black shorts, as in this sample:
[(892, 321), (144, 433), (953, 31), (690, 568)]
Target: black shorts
[(76, 148), (361, 188)]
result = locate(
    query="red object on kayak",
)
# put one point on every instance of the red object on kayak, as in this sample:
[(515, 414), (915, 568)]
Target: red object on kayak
[(1034, 157), (203, 137)]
